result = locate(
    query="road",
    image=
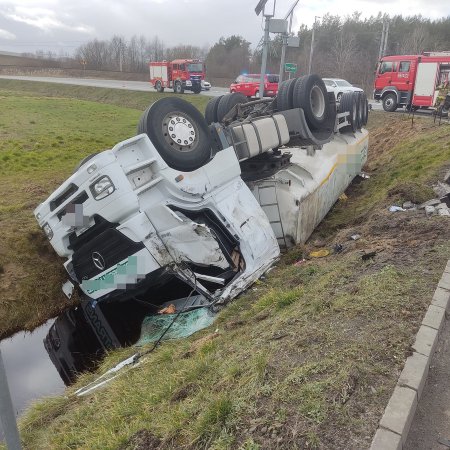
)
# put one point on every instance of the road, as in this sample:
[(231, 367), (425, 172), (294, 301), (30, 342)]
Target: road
[(112, 84), (432, 420)]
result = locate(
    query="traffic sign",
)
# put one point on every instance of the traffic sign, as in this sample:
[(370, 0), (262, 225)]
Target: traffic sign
[(290, 67)]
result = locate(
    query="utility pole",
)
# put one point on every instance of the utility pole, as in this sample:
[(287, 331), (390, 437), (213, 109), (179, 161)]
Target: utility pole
[(264, 56), (312, 45), (7, 417), (386, 38), (284, 38), (380, 53)]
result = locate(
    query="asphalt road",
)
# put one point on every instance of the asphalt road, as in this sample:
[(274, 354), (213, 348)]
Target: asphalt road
[(432, 420), (112, 84)]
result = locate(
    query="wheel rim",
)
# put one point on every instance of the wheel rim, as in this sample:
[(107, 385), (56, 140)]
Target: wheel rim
[(180, 131), (317, 101), (339, 97), (389, 102)]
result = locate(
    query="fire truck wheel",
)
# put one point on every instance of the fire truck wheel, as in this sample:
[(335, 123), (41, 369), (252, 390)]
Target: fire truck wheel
[(211, 110), (311, 95), (178, 88), (197, 90), (227, 102), (179, 132), (159, 87), (349, 104), (390, 103), (284, 97)]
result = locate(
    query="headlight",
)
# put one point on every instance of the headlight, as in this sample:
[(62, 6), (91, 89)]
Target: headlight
[(48, 230), (102, 188)]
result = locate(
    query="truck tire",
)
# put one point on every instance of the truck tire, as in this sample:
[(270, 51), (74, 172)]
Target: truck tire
[(179, 133), (84, 161), (159, 86), (197, 90), (361, 107), (365, 109), (284, 97), (349, 104), (227, 102), (390, 102), (311, 95), (178, 87), (211, 110)]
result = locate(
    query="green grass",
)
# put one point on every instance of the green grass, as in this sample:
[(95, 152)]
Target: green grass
[(45, 132), (306, 358)]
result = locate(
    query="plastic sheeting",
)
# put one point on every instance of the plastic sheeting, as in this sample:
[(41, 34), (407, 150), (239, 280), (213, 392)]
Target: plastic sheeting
[(187, 323)]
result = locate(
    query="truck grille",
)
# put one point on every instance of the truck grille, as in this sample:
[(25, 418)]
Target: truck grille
[(111, 245)]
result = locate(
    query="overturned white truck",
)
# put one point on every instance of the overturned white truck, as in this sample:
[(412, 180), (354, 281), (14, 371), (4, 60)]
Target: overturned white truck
[(195, 203)]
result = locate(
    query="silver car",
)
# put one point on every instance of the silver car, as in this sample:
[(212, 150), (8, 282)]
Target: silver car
[(339, 86)]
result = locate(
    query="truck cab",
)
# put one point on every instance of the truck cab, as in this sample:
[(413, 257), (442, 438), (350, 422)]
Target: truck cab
[(394, 80), (411, 80)]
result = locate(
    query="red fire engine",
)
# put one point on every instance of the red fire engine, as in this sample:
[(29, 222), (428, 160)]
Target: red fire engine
[(180, 75), (411, 80)]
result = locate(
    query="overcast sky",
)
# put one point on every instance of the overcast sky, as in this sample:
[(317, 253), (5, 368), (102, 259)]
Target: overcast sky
[(29, 25)]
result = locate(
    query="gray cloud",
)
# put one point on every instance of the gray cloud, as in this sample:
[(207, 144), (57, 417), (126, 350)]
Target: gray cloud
[(27, 25)]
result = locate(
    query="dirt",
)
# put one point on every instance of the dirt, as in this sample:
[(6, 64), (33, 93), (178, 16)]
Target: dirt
[(142, 440)]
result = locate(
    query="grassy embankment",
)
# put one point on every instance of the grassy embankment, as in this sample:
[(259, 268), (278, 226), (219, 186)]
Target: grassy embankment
[(45, 130), (308, 357)]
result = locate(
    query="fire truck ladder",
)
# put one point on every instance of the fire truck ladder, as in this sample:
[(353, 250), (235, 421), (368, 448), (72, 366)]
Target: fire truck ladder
[(268, 200)]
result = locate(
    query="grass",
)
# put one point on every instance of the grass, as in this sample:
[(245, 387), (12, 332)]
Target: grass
[(307, 358), (44, 132)]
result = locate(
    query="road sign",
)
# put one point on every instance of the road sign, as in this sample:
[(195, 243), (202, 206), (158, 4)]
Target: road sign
[(290, 67)]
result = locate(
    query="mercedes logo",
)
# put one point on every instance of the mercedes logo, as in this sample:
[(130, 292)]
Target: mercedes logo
[(98, 260)]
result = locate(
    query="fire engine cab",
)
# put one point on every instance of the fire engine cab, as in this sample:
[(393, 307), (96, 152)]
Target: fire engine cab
[(180, 75), (413, 81)]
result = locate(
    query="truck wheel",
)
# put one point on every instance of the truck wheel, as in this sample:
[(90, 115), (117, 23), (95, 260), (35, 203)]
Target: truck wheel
[(178, 88), (365, 109), (390, 103), (349, 104), (256, 94), (84, 161), (179, 133), (311, 95), (284, 97), (197, 90), (227, 102), (361, 107), (159, 86), (211, 110), (338, 97)]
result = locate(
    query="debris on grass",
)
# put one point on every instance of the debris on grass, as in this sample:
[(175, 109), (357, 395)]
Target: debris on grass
[(319, 253)]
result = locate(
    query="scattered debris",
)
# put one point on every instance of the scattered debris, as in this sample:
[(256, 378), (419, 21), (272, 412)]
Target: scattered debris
[(432, 202), (444, 212), (446, 199), (368, 256), (355, 237), (300, 262), (343, 198), (320, 253), (409, 205), (430, 210), (168, 310), (395, 208), (338, 248), (441, 189)]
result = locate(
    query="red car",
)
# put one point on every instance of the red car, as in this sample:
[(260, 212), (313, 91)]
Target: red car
[(249, 85)]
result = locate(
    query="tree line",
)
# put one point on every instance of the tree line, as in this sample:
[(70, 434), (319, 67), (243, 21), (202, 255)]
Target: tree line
[(344, 47)]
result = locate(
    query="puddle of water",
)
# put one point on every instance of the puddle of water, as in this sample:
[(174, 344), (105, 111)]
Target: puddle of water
[(31, 374)]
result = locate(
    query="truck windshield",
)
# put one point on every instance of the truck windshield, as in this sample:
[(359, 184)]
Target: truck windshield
[(197, 67)]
